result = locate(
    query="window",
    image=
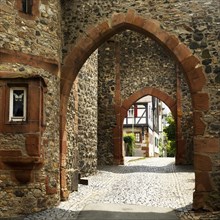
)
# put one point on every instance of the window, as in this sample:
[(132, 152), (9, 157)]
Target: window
[(17, 104), (27, 6), (137, 137), (28, 9)]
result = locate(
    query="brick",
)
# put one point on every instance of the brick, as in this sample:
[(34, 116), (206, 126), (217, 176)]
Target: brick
[(200, 101), (207, 145), (199, 124), (202, 163)]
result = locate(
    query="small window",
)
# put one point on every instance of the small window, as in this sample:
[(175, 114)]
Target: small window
[(27, 6), (137, 137), (18, 103)]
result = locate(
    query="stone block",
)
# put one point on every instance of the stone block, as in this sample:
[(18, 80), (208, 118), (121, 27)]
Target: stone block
[(199, 124), (117, 20), (207, 145), (199, 199), (10, 153), (129, 17), (202, 163), (162, 36), (181, 52), (138, 21), (200, 101), (104, 27), (32, 144), (93, 33), (172, 42), (202, 182), (151, 27), (190, 63), (49, 190)]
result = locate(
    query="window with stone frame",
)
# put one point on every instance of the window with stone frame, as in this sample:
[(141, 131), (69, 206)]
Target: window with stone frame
[(18, 104), (24, 104)]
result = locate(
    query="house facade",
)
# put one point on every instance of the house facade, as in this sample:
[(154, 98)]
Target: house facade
[(143, 120)]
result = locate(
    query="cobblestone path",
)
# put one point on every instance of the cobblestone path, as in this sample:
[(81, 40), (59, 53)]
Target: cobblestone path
[(153, 182)]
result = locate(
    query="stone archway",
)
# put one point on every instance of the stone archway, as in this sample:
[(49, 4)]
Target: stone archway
[(170, 102), (190, 64)]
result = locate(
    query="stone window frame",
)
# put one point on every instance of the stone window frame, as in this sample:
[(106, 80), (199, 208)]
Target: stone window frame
[(25, 14), (35, 117)]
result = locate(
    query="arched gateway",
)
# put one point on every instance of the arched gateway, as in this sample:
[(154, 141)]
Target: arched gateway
[(190, 65)]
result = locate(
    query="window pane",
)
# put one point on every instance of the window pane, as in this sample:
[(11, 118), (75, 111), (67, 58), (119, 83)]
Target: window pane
[(18, 103)]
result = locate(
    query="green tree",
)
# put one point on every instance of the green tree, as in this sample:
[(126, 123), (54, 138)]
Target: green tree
[(129, 140), (170, 132)]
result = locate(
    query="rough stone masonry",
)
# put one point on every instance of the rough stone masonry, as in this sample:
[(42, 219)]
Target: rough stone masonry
[(82, 62)]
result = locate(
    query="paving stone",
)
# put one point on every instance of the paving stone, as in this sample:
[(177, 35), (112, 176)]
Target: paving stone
[(156, 182)]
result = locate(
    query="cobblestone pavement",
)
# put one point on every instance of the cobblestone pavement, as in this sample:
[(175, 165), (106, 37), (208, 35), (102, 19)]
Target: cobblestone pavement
[(153, 182)]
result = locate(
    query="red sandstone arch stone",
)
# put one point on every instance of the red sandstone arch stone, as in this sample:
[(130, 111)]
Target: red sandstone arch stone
[(95, 36)]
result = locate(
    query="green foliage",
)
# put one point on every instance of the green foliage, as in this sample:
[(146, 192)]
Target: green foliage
[(129, 139), (170, 136), (170, 130)]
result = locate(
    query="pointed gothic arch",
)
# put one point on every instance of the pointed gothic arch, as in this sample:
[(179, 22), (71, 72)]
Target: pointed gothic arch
[(95, 36)]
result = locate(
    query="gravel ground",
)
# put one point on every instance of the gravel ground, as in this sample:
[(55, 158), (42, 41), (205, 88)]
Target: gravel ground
[(154, 182)]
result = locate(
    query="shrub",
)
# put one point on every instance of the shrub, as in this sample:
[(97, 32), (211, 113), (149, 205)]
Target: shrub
[(129, 140)]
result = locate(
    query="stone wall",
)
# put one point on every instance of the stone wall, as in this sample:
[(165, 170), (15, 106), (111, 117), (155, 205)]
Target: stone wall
[(30, 46), (39, 35), (82, 121), (196, 24), (43, 189), (143, 63)]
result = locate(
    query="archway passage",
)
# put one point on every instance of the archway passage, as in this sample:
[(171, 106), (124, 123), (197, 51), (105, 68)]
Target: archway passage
[(193, 72), (165, 98)]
